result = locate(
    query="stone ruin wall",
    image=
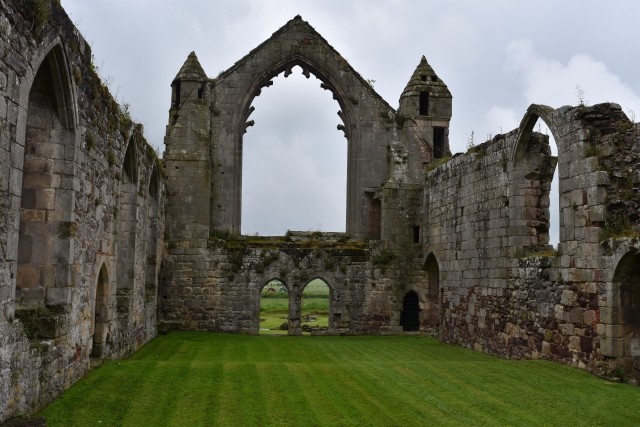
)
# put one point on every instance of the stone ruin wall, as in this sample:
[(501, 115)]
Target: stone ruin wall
[(504, 290), (469, 237), (68, 213)]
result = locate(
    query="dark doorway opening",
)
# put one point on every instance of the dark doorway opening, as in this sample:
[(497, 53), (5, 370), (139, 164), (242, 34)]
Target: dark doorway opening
[(410, 316)]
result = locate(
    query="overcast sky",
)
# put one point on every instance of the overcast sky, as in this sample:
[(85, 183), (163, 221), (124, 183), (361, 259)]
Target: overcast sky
[(496, 57)]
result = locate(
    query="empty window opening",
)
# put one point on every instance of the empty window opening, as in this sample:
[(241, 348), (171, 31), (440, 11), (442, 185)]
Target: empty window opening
[(416, 233), (294, 161), (423, 78), (314, 307), (410, 316), (438, 142), (434, 78), (274, 308), (424, 103), (200, 93), (176, 94), (102, 315)]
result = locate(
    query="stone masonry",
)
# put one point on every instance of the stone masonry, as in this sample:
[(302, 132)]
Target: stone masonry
[(88, 269), (81, 212)]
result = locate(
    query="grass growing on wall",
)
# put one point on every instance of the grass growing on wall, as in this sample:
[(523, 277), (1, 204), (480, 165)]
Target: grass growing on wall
[(205, 379)]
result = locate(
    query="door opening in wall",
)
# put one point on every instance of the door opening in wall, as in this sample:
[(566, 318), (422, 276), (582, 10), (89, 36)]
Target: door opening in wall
[(294, 169), (315, 307), (410, 316), (274, 308), (624, 320)]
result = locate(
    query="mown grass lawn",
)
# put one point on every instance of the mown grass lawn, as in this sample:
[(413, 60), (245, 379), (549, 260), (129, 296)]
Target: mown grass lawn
[(205, 379)]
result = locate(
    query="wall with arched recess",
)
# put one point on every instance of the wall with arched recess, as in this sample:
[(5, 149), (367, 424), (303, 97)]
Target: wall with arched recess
[(504, 290), (62, 138)]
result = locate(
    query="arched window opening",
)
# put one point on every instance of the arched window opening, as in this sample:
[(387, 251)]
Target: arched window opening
[(45, 249), (627, 279), (102, 315), (294, 161), (315, 307), (410, 316), (274, 308)]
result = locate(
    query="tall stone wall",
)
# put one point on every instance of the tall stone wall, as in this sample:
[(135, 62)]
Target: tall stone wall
[(63, 143), (504, 290)]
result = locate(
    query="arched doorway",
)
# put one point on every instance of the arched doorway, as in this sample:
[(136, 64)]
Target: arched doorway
[(102, 313), (410, 316), (294, 164), (315, 307), (274, 308), (627, 281), (431, 316)]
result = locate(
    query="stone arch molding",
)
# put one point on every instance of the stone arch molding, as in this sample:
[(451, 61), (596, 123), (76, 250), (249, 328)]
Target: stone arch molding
[(230, 99), (534, 112), (64, 85)]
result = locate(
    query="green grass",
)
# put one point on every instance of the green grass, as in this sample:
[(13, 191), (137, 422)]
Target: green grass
[(205, 379)]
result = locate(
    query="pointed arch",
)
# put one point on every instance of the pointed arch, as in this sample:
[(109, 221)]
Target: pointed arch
[(531, 175), (46, 135), (102, 312), (130, 163), (332, 318)]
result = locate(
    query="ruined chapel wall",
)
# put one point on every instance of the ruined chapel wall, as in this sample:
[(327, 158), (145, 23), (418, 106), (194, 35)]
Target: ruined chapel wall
[(61, 181)]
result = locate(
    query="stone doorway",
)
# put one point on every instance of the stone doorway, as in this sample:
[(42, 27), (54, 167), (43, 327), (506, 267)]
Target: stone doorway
[(410, 316)]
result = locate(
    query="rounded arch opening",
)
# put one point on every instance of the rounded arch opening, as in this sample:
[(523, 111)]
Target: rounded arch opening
[(316, 306), (410, 315), (102, 313), (274, 308), (294, 162)]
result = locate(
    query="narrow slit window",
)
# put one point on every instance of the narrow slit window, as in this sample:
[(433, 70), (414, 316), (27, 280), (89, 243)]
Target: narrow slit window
[(424, 103), (438, 142), (176, 101), (200, 93), (416, 234)]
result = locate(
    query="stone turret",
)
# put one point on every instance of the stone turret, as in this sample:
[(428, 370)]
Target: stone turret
[(191, 78), (187, 157), (426, 101)]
